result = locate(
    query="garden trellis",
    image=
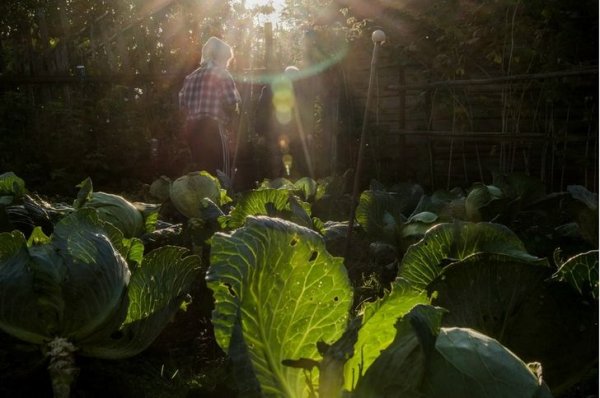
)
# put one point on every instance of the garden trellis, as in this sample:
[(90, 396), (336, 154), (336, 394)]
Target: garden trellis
[(448, 133)]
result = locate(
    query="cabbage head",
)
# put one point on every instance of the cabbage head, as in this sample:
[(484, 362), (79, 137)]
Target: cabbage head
[(111, 208), (74, 292), (160, 188), (190, 192), (119, 212)]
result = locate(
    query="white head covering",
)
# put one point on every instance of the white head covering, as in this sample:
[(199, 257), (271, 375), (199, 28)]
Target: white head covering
[(217, 51)]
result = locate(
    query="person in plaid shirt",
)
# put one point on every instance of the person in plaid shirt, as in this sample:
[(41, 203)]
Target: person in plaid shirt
[(209, 98)]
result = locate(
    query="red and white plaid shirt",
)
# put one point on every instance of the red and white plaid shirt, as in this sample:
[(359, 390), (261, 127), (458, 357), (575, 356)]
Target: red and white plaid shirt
[(208, 92)]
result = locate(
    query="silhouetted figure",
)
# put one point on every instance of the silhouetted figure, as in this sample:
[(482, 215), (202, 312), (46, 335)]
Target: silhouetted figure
[(210, 99)]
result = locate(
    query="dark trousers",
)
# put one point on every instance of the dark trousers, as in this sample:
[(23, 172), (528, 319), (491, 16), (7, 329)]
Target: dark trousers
[(206, 145)]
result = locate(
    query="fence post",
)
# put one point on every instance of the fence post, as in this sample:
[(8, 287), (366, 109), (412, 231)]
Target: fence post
[(430, 139), (268, 46), (378, 38), (402, 119)]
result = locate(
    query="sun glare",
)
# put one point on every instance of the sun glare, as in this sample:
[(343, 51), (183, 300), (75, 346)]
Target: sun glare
[(277, 5)]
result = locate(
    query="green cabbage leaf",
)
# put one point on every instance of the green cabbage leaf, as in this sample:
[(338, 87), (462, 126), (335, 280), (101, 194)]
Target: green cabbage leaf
[(156, 291), (377, 328), (380, 214), (189, 192), (448, 243), (12, 187), (277, 293), (581, 272), (484, 202), (427, 360), (76, 284), (279, 203), (514, 301), (133, 219), (68, 287)]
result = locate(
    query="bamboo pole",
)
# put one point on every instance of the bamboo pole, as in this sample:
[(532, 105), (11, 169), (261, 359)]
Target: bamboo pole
[(378, 38), (564, 151), (451, 152), (268, 47), (402, 119)]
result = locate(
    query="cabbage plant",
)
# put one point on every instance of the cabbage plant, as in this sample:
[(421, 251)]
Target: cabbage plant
[(427, 360), (380, 214), (282, 302), (74, 293), (190, 193), (483, 274), (133, 219)]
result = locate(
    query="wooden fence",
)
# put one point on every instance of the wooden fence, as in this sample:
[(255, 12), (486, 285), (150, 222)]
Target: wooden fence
[(452, 133)]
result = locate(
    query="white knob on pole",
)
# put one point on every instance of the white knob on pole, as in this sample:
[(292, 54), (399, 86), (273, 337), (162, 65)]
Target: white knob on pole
[(378, 36)]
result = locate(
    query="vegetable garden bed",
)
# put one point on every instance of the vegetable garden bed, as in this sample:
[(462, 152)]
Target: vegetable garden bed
[(489, 291)]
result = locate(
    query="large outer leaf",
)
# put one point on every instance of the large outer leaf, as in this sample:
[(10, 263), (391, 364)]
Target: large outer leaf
[(377, 330), (96, 277), (466, 363), (119, 212), (132, 250), (585, 211), (279, 203), (484, 291), (510, 300), (447, 243), (399, 369), (519, 185), (581, 272), (155, 293), (11, 185), (425, 360), (277, 280), (30, 302)]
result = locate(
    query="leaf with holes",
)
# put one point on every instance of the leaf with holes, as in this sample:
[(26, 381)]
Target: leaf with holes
[(279, 203), (581, 272), (447, 243), (275, 281)]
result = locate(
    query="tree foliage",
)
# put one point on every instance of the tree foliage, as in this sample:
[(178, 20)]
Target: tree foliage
[(107, 127)]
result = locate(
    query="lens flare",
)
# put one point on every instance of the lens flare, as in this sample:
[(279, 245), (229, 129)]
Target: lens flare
[(307, 69), (287, 160), (284, 144), (283, 100)]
